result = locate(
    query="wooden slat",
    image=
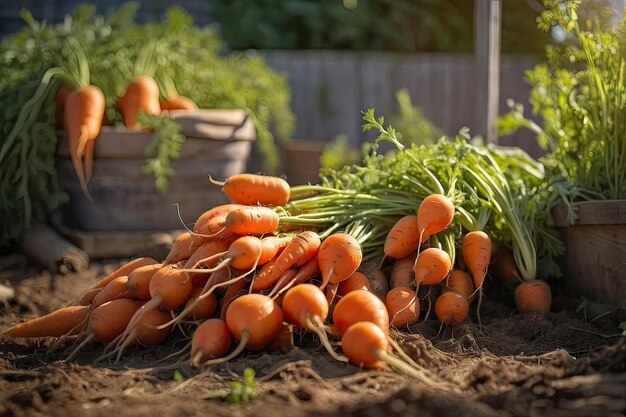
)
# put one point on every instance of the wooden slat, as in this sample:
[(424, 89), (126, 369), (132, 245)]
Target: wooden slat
[(610, 212)]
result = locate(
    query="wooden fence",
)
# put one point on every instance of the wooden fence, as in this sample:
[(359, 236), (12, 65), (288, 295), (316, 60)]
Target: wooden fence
[(329, 90)]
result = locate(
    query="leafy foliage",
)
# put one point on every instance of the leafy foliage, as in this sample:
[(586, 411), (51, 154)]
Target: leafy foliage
[(410, 120), (117, 49), (580, 96), (164, 146)]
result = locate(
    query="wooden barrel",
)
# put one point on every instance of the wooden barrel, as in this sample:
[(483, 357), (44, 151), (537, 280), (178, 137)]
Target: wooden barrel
[(595, 250), (218, 143)]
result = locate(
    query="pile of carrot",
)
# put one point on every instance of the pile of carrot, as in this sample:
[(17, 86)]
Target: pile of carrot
[(244, 278)]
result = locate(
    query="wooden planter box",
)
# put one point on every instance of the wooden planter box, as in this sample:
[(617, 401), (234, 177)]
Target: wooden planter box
[(595, 259), (125, 199)]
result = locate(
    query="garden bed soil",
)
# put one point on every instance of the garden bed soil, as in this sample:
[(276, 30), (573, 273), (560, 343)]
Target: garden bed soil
[(555, 365)]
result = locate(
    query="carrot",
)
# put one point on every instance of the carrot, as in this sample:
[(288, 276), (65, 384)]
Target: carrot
[(356, 281), (248, 220), (147, 330), (256, 189), (403, 239), (84, 110), (284, 341), (271, 246), (533, 296), (176, 102), (434, 214), (331, 292), (254, 320), (379, 285), (432, 266), (204, 308), (402, 272), (360, 305), (126, 269), (305, 306), (141, 94), (287, 276), (234, 290), (304, 273), (451, 308), (54, 324), (107, 322), (114, 290), (476, 248), (243, 253), (169, 289), (367, 345), (206, 256), (302, 249), (210, 340), (505, 267), (213, 220), (403, 306), (138, 283), (460, 282), (339, 256), (183, 248)]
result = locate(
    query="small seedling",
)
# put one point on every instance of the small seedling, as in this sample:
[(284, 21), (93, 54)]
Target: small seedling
[(178, 377), (238, 392)]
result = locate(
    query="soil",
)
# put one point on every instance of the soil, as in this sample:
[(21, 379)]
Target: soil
[(514, 365)]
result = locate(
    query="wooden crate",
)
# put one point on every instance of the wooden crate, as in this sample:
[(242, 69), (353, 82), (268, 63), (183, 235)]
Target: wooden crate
[(125, 199), (595, 259)]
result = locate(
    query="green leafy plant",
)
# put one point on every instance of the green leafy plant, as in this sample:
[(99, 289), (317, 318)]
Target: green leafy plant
[(238, 392), (179, 51), (164, 146), (580, 96), (410, 120), (338, 153)]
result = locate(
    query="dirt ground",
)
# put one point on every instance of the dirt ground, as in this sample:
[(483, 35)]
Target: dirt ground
[(557, 365)]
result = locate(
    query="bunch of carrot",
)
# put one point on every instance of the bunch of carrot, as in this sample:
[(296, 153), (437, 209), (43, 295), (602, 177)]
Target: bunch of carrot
[(247, 274)]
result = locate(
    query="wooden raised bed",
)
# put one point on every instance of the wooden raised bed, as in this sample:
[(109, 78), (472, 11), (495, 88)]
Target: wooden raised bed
[(218, 143), (595, 259)]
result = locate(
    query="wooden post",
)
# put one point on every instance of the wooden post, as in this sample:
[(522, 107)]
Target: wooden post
[(487, 15)]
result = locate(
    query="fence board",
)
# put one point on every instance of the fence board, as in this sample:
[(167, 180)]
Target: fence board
[(330, 89)]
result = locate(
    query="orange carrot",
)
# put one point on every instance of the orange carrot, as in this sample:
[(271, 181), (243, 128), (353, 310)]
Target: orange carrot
[(379, 285), (434, 214), (206, 256), (204, 308), (505, 267), (256, 189), (234, 290), (476, 248), (339, 256), (304, 273), (55, 324), (302, 249), (84, 110), (183, 247), (147, 330), (360, 305), (210, 340), (114, 290), (533, 296), (125, 269), (432, 266), (460, 282), (451, 308), (402, 272), (403, 306), (403, 239), (249, 220), (141, 94), (305, 306), (356, 281), (271, 246), (138, 283), (331, 292), (213, 220)]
